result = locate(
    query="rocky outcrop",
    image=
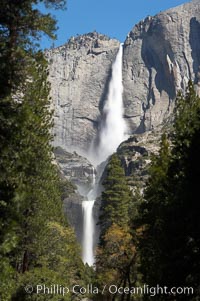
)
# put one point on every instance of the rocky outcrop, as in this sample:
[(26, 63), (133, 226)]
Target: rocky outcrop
[(79, 171), (73, 210), (160, 54), (75, 168), (135, 155), (79, 73)]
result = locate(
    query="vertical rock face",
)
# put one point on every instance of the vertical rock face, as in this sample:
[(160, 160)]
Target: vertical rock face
[(160, 54), (78, 73)]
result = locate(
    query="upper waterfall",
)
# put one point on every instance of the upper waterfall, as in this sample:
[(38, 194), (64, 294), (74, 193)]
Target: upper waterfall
[(113, 126)]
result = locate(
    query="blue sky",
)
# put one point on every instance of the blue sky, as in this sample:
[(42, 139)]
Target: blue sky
[(112, 17)]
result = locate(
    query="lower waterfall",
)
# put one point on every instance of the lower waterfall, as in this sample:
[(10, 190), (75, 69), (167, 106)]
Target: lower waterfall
[(88, 224), (88, 232), (112, 133)]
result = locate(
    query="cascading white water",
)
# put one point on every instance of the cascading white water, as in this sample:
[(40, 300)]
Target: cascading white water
[(88, 224), (112, 133), (88, 232), (113, 127)]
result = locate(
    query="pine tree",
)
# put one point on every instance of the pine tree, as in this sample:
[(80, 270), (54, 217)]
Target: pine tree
[(170, 242), (116, 197), (34, 214), (36, 243), (116, 255), (21, 27), (184, 175), (152, 215)]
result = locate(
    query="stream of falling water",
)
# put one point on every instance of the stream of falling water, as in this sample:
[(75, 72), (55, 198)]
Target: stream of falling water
[(88, 224), (112, 133), (113, 126), (88, 232)]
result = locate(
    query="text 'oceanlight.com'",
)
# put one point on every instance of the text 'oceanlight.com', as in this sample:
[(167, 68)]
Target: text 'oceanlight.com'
[(56, 289)]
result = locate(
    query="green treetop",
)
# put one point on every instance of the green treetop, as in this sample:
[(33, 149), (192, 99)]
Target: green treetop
[(116, 196)]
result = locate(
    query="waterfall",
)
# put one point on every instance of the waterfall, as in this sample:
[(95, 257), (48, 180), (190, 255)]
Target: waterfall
[(113, 126), (88, 224), (88, 232), (112, 133)]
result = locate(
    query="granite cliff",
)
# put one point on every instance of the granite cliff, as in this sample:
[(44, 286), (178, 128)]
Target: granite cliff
[(160, 54), (79, 73)]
